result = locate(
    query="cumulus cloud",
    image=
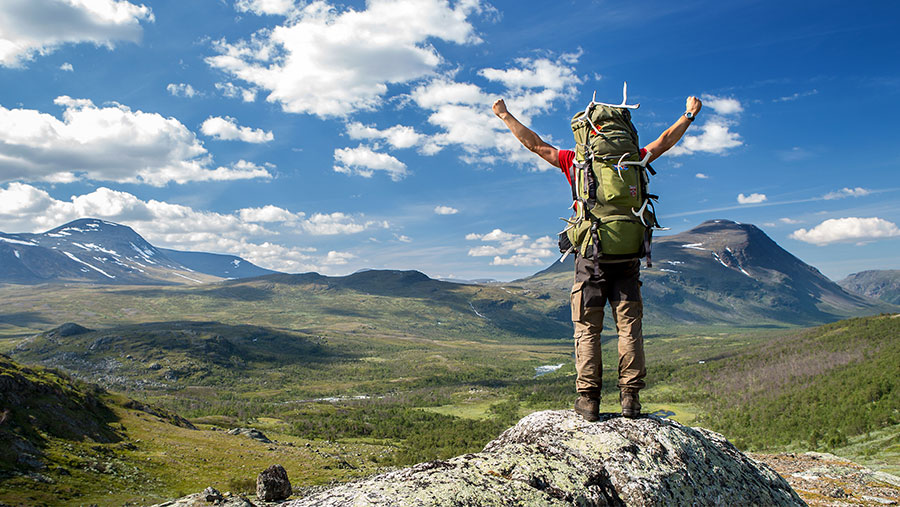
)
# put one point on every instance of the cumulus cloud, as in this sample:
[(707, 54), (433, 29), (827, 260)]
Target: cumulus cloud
[(26, 208), (847, 192), (233, 91), (268, 213), (445, 210), (332, 62), (324, 224), (715, 137), (701, 176), (182, 90), (67, 67), (751, 199), (722, 105), (364, 161), (525, 252), (788, 220), (540, 73), (227, 129), (338, 258), (716, 134), (265, 7), (38, 27), (111, 143), (850, 229), (461, 111), (398, 136), (319, 224)]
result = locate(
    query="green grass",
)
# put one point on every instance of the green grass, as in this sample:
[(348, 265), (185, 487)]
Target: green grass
[(436, 386)]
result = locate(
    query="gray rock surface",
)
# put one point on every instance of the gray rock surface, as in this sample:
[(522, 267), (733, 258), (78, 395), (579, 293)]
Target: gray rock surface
[(273, 485), (556, 458), (253, 433)]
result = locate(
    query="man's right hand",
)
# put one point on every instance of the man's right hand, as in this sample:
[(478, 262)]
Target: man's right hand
[(693, 105), (499, 108)]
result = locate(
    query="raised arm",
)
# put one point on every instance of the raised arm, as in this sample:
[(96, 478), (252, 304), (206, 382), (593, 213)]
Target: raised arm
[(673, 134), (525, 135)]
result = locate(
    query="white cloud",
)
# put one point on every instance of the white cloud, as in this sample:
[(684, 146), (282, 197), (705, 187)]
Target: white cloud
[(847, 192), (701, 176), (751, 199), (445, 210), (398, 136), (264, 7), (338, 258), (525, 252), (722, 105), (325, 224), (111, 143), (233, 91), (25, 208), (716, 137), (536, 73), (67, 67), (462, 113), (852, 229), (182, 90), (38, 27), (329, 63), (402, 238), (788, 220), (363, 161), (443, 91), (227, 129), (268, 213)]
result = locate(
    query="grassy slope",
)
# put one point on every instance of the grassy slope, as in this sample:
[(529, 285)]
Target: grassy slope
[(831, 387), (100, 448), (441, 385)]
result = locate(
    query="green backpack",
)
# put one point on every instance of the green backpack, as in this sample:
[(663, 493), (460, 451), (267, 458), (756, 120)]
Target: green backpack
[(614, 213)]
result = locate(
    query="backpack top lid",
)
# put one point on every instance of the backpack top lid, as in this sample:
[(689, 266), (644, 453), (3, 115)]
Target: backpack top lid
[(606, 130), (608, 127)]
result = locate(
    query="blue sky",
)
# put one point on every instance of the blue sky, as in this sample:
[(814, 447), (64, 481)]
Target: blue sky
[(331, 137)]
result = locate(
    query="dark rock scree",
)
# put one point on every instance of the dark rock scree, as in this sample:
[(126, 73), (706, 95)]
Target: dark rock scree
[(556, 458)]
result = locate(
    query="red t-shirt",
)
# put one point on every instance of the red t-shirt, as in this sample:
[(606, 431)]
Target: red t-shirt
[(567, 158)]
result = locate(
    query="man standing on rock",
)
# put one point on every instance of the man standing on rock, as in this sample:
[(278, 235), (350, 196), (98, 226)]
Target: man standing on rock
[(596, 283)]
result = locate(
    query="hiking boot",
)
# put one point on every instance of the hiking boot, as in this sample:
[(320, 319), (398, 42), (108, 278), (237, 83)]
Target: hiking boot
[(588, 407), (631, 404)]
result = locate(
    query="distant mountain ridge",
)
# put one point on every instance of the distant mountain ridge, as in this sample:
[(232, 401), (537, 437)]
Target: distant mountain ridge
[(883, 284), (93, 250), (724, 271)]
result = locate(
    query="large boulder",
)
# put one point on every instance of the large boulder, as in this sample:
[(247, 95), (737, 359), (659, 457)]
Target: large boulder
[(272, 484), (556, 458)]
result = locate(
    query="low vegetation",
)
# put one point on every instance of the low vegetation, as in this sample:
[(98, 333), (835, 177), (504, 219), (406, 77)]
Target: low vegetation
[(351, 383), (816, 388)]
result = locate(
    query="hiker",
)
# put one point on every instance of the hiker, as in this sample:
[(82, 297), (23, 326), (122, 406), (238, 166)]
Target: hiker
[(598, 278)]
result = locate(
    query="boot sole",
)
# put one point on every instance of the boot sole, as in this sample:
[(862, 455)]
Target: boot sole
[(631, 414)]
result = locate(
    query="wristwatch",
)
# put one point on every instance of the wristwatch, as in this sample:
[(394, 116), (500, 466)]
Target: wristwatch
[(689, 115)]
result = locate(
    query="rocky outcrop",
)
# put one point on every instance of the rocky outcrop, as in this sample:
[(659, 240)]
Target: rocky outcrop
[(253, 433), (556, 458), (273, 485), (826, 480)]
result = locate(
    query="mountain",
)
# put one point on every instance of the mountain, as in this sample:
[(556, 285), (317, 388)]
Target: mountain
[(92, 250), (877, 284), (223, 266), (728, 272)]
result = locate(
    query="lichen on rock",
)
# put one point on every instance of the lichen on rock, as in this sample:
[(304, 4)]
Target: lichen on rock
[(556, 458)]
